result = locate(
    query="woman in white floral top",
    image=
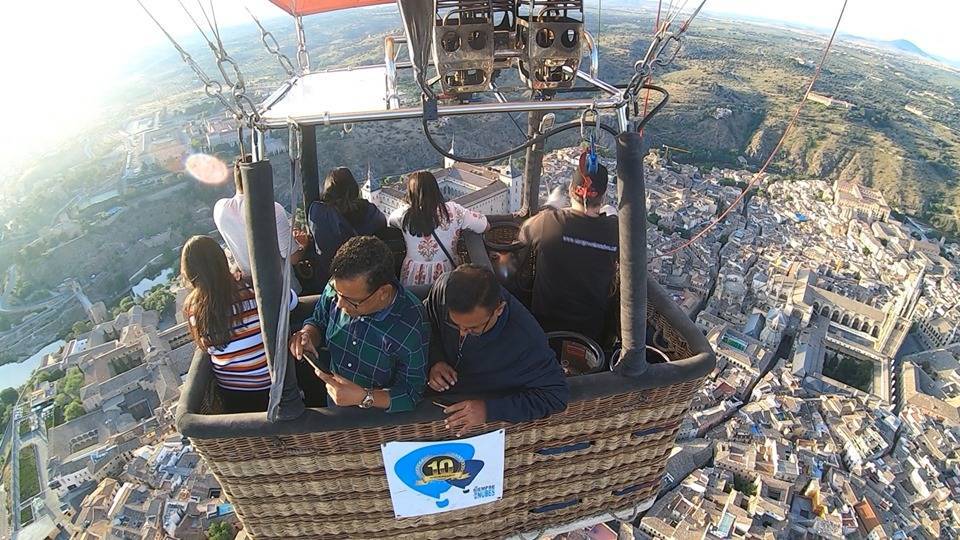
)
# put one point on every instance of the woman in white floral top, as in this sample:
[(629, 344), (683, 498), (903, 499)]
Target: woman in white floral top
[(427, 219)]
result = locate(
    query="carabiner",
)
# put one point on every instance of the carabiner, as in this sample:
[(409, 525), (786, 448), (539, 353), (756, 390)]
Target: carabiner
[(583, 121)]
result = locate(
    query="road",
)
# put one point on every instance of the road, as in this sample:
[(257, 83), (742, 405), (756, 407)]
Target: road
[(5, 307), (920, 228), (783, 349), (15, 472), (51, 502), (4, 518)]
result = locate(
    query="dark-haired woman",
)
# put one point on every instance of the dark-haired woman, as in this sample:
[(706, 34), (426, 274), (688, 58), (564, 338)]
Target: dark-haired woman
[(431, 227), (223, 320), (340, 214)]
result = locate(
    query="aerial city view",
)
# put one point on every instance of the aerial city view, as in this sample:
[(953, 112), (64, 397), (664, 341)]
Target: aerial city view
[(538, 269)]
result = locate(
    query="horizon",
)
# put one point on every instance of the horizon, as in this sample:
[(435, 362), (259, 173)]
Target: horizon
[(110, 64)]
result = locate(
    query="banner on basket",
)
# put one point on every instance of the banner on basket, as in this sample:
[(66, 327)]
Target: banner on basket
[(432, 477)]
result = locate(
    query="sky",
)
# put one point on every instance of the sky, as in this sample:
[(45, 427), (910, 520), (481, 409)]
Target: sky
[(58, 61)]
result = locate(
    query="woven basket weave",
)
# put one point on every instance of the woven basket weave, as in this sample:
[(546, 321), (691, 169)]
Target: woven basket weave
[(331, 484)]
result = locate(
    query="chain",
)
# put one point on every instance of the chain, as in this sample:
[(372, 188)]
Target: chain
[(248, 110), (270, 43), (236, 83), (217, 48), (243, 151), (211, 87), (663, 49), (303, 59), (294, 146)]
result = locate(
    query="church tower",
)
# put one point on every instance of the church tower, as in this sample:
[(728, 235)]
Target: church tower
[(514, 182), (447, 162), (911, 295), (371, 188)]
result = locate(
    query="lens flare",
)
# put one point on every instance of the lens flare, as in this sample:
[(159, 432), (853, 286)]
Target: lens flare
[(207, 169)]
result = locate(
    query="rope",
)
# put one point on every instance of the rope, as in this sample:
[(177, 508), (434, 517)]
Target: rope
[(520, 129), (199, 28), (759, 175), (656, 29), (656, 55), (530, 142), (599, 27), (283, 323), (543, 136), (211, 87), (270, 43)]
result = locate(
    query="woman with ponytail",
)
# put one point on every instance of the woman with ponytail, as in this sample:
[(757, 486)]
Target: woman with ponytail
[(431, 227)]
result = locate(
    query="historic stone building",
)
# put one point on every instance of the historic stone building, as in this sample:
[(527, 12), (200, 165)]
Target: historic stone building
[(860, 202), (854, 327), (488, 190)]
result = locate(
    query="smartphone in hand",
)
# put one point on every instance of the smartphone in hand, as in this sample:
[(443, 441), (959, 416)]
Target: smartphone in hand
[(315, 363)]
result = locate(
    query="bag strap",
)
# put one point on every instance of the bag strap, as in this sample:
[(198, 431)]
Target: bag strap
[(453, 263)]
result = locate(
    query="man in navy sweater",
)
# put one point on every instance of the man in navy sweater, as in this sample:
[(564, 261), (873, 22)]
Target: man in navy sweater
[(485, 342)]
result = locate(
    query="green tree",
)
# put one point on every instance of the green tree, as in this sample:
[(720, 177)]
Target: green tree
[(72, 383), (159, 299), (9, 396), (866, 252), (51, 376), (126, 303), (80, 327), (4, 414), (744, 485), (74, 410), (61, 400), (220, 530)]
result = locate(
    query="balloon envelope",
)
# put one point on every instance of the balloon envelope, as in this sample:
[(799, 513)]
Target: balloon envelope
[(309, 7)]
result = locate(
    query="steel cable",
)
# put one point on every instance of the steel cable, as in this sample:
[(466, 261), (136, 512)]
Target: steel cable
[(759, 175), (543, 136)]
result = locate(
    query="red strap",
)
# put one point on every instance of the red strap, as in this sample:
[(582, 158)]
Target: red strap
[(585, 190)]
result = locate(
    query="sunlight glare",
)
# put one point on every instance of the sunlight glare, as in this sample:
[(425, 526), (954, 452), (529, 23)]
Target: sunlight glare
[(207, 169)]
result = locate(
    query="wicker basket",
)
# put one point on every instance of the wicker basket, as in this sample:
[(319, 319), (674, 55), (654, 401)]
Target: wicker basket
[(501, 237), (321, 475)]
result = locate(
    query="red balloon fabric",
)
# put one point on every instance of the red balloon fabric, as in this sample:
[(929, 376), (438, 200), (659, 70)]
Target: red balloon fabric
[(309, 7)]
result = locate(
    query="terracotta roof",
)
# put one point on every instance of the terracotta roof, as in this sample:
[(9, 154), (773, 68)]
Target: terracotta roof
[(868, 518)]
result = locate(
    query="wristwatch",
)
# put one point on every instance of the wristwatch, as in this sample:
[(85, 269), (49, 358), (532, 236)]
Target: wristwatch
[(367, 400)]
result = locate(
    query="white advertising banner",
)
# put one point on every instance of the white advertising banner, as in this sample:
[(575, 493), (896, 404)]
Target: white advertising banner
[(432, 477)]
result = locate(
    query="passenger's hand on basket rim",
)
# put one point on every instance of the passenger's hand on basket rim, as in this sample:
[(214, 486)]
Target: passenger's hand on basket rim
[(343, 392), (442, 377), (301, 237), (304, 340), (465, 415)]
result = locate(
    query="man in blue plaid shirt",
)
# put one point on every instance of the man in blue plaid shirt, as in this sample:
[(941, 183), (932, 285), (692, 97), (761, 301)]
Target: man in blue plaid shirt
[(374, 329)]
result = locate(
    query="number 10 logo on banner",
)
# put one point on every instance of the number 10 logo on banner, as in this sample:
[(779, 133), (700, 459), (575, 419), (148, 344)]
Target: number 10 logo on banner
[(432, 477)]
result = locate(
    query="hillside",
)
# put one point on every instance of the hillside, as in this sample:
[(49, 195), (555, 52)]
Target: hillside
[(901, 133), (757, 71)]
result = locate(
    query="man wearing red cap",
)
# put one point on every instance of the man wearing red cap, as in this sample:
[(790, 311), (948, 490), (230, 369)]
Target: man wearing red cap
[(576, 251)]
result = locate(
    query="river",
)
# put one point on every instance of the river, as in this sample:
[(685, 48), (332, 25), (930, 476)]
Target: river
[(17, 373), (142, 288)]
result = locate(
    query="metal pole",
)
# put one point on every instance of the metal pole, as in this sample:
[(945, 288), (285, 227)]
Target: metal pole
[(632, 216), (532, 167), (356, 117), (309, 168), (594, 54), (260, 217), (258, 144), (390, 61)]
